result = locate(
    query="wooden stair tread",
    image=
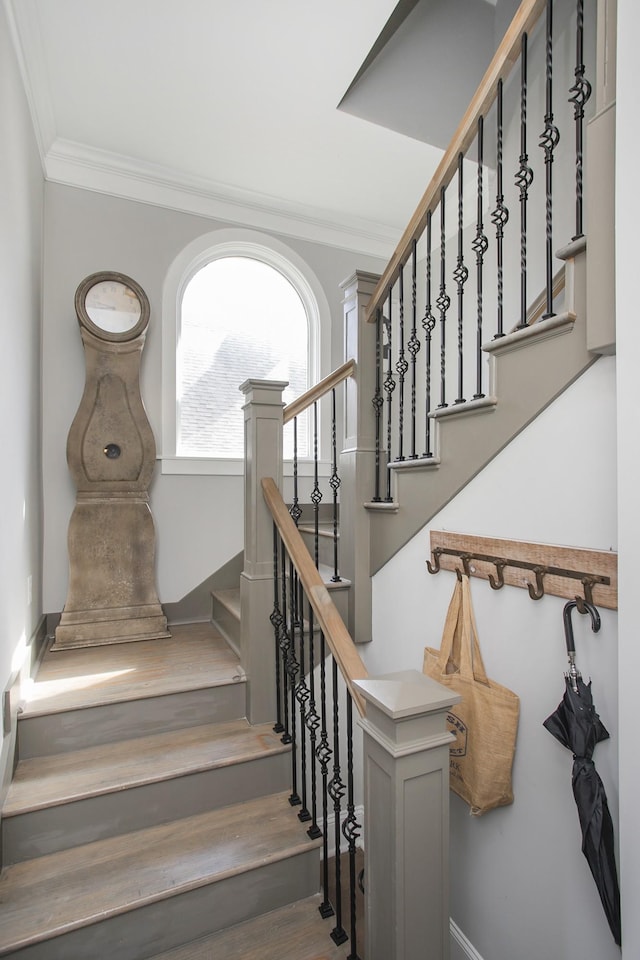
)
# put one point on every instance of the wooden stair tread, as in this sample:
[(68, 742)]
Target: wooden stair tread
[(296, 931), (325, 529), (230, 599), (195, 657), (68, 890), (42, 782)]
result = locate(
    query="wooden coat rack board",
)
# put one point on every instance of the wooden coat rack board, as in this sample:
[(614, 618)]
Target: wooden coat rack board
[(539, 567)]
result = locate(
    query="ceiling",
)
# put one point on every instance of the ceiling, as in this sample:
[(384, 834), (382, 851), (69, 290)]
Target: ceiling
[(226, 108)]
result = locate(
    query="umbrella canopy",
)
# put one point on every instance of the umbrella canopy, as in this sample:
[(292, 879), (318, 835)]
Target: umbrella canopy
[(578, 727)]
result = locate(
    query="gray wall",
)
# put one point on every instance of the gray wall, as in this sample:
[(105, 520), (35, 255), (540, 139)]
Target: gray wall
[(198, 519), (520, 886), (21, 203)]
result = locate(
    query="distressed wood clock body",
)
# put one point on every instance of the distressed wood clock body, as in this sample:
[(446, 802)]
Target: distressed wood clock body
[(111, 453)]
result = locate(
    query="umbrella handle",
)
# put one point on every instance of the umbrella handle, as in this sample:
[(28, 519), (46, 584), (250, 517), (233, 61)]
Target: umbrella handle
[(583, 606)]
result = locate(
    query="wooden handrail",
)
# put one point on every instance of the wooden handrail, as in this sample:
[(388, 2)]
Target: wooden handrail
[(505, 57), (318, 391), (329, 620)]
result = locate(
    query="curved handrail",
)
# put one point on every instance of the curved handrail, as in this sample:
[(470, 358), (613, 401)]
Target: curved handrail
[(336, 634), (504, 59), (318, 391)]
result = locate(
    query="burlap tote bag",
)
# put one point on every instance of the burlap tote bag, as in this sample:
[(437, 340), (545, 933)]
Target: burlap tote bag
[(485, 722)]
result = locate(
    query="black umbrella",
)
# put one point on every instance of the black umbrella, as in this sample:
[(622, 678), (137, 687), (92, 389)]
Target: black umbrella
[(577, 726)]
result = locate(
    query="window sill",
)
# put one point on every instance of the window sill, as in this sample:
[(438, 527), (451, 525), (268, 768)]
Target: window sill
[(222, 467)]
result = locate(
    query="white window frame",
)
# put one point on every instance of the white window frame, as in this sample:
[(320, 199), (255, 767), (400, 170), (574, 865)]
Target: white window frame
[(234, 242)]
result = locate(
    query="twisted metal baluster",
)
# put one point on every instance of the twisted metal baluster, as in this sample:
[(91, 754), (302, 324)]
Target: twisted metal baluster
[(313, 722), (479, 246), (389, 386), (316, 494), (324, 756), (549, 140), (378, 403), (336, 790), (302, 696), (401, 368), (500, 215), (460, 276), (523, 180), (580, 94), (276, 621), (428, 325), (351, 830), (334, 483), (443, 303), (293, 668), (295, 509), (413, 346)]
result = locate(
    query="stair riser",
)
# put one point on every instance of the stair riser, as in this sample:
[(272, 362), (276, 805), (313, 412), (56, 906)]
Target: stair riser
[(74, 729), (227, 624), (165, 924), (56, 828)]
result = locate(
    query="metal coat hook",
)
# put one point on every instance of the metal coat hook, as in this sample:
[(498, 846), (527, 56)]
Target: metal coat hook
[(435, 566), (537, 592), (589, 608), (497, 582)]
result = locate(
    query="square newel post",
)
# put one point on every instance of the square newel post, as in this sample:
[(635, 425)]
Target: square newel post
[(357, 460), (263, 458), (406, 803)]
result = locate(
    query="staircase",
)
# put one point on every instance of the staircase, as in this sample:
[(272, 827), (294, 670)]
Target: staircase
[(148, 819)]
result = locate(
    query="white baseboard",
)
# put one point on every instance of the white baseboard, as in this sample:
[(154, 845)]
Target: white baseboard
[(466, 947)]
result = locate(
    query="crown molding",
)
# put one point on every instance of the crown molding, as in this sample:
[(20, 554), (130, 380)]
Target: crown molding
[(77, 165), (24, 27)]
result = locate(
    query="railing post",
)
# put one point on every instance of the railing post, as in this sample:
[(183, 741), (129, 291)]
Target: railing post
[(357, 460), (406, 802), (263, 458)]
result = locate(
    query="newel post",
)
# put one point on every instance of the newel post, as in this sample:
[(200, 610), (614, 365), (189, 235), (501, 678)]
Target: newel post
[(406, 802), (357, 460), (263, 458)]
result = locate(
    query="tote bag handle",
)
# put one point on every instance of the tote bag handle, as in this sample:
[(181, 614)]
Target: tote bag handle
[(460, 647)]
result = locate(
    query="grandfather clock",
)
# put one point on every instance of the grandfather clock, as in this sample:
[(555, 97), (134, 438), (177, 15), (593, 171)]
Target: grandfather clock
[(111, 454)]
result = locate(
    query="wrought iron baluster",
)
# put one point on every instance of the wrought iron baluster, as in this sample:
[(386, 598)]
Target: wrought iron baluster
[(401, 367), (480, 246), (334, 483), (460, 275), (389, 387), (292, 670), (413, 346), (316, 494), (549, 139), (428, 325), (336, 792), (324, 756), (443, 303), (523, 180), (580, 94), (500, 215), (276, 621), (377, 405), (284, 648), (302, 696), (313, 722), (351, 830), (295, 509)]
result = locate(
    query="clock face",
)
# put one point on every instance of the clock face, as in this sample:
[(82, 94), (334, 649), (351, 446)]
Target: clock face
[(113, 306)]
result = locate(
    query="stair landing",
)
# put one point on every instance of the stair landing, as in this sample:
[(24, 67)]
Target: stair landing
[(195, 657)]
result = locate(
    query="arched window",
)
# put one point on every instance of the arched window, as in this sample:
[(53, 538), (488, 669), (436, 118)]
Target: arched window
[(233, 309), (240, 318)]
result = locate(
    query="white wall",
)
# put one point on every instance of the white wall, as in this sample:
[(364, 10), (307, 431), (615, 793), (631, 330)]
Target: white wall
[(21, 189), (198, 519), (628, 336), (520, 885)]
